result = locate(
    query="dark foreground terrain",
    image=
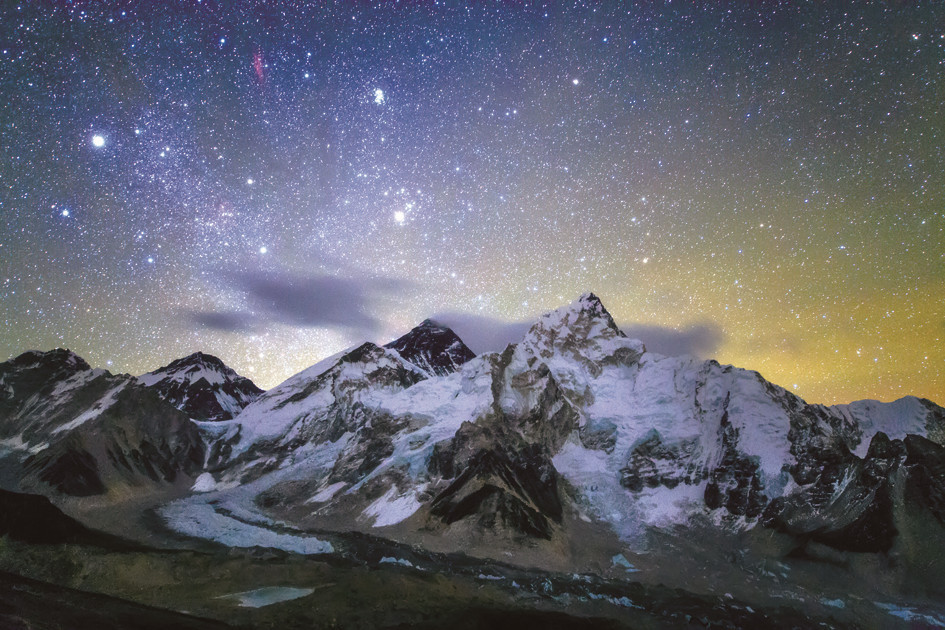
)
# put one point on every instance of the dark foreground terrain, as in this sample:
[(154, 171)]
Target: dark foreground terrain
[(56, 573)]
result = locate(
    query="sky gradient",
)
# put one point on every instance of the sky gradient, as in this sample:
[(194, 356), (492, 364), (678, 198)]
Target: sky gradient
[(762, 183)]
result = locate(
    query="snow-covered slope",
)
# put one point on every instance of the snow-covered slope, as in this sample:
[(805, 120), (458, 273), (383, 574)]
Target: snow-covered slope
[(76, 431), (433, 348), (202, 386), (576, 422), (577, 426), (897, 419)]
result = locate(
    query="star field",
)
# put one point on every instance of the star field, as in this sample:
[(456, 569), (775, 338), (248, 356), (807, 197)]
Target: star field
[(271, 182)]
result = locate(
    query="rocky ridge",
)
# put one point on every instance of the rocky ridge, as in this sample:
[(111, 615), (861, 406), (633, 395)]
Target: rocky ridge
[(203, 387)]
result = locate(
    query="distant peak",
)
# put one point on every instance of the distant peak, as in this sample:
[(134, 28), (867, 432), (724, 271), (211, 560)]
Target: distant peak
[(59, 356), (591, 305), (589, 298), (590, 302), (197, 358), (433, 347)]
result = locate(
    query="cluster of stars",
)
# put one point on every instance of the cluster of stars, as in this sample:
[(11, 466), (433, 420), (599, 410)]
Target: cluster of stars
[(772, 171)]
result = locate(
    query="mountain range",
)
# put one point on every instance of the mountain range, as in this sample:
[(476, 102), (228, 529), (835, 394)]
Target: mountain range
[(574, 451)]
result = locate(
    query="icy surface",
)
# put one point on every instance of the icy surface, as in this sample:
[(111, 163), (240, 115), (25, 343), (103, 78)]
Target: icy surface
[(393, 507), (935, 620), (191, 374), (400, 561), (327, 493), (268, 595), (896, 419), (201, 520), (204, 483), (228, 514), (620, 561)]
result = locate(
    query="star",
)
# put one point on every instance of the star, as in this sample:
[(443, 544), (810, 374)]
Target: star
[(400, 216), (98, 141)]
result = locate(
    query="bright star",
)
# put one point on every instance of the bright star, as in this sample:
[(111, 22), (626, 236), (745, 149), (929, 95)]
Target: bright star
[(65, 213), (379, 97), (400, 216), (98, 141), (263, 250)]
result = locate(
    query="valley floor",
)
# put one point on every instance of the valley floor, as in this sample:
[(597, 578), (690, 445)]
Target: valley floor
[(368, 583)]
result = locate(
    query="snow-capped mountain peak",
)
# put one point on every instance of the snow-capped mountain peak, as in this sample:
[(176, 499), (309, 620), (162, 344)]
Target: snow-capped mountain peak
[(55, 360), (322, 402), (191, 368), (433, 348), (583, 330), (202, 386)]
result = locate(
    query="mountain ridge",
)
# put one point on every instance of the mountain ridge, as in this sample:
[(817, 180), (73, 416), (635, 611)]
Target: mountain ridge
[(564, 451)]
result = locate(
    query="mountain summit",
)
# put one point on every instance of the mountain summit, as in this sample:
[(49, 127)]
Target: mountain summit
[(433, 348), (203, 387), (573, 451)]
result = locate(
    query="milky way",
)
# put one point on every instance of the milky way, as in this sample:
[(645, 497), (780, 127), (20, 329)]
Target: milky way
[(762, 183)]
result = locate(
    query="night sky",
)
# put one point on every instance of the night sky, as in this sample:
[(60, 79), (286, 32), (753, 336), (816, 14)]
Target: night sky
[(757, 182)]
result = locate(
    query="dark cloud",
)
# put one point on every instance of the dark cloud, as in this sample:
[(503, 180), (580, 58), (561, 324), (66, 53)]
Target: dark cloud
[(305, 301), (230, 321), (483, 334), (701, 340), (486, 334)]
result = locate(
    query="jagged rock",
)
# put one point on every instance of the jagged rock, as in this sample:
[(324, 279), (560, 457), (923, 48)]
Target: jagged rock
[(849, 507), (433, 348), (925, 463), (653, 463), (517, 488), (203, 387), (82, 432)]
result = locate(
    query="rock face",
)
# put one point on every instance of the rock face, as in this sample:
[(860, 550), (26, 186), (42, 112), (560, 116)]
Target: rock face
[(575, 422), (421, 442), (435, 349), (203, 387), (77, 431), (33, 518)]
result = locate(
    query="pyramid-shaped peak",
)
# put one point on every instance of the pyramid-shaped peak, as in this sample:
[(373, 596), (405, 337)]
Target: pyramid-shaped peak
[(582, 328), (428, 324), (202, 386), (197, 359), (591, 303), (432, 347), (586, 308)]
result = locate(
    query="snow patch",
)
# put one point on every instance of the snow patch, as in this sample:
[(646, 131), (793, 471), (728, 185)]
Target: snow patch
[(327, 493), (205, 483), (913, 615), (95, 411), (620, 561), (400, 561), (393, 508)]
